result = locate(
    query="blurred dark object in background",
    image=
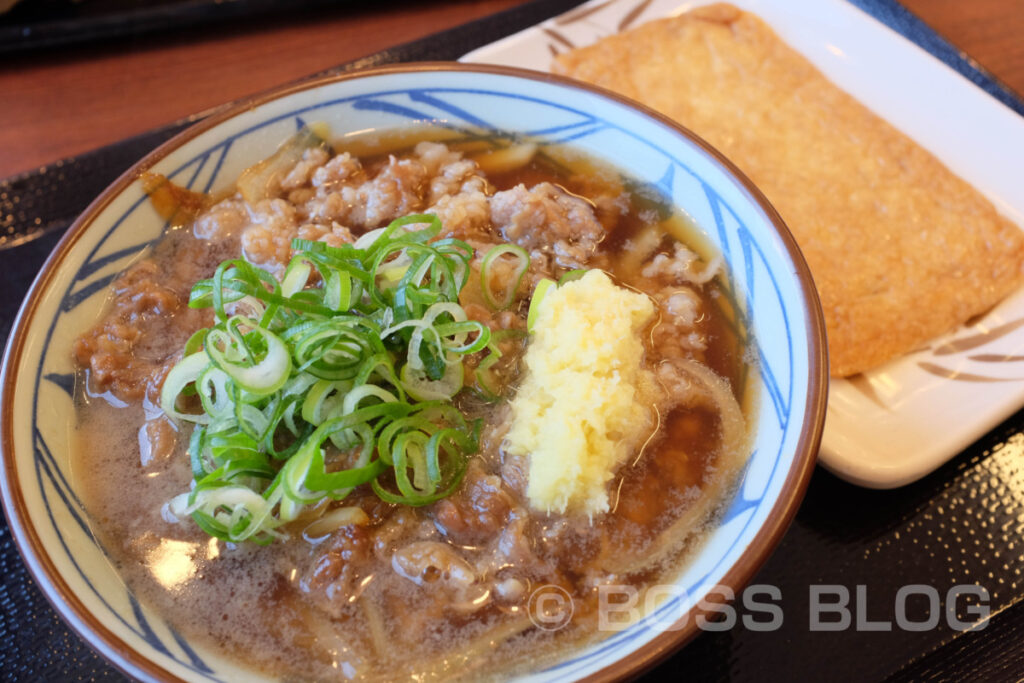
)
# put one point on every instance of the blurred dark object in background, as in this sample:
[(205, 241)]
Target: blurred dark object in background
[(34, 24)]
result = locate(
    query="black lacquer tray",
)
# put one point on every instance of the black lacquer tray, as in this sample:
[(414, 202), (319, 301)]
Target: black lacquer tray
[(33, 25), (958, 528)]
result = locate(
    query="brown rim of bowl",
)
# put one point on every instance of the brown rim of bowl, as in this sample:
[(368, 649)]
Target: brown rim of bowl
[(73, 611)]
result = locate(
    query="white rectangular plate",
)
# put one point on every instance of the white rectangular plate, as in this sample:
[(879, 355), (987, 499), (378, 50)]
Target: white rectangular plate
[(895, 424)]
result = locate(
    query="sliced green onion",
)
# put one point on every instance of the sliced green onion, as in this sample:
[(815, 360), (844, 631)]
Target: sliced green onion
[(538, 295), (232, 352), (185, 372), (522, 264), (422, 388), (571, 275), (360, 345), (212, 387), (431, 452)]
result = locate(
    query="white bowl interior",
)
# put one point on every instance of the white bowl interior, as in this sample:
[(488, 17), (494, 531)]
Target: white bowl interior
[(761, 274)]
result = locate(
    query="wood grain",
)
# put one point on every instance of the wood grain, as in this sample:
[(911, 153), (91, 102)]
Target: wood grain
[(991, 32), (56, 104)]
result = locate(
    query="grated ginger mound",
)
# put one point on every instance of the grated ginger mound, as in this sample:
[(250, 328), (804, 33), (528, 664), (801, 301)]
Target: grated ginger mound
[(585, 404)]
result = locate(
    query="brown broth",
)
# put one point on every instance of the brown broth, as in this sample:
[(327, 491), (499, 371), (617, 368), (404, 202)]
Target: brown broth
[(302, 610)]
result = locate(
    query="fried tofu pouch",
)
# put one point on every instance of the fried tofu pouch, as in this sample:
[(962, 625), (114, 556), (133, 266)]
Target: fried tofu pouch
[(901, 249)]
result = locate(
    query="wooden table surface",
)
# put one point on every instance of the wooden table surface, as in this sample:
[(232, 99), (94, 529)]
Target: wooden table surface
[(58, 103)]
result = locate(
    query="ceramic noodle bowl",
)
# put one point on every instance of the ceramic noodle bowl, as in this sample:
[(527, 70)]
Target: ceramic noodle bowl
[(776, 312)]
